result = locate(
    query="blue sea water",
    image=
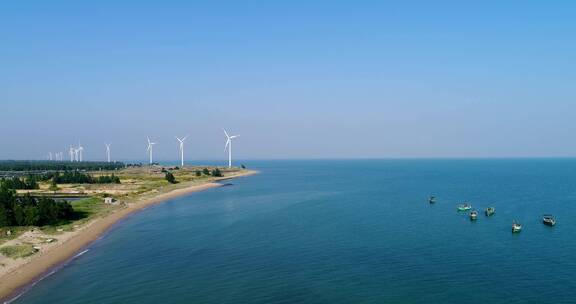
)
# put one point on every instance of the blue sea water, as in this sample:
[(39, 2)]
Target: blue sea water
[(342, 231)]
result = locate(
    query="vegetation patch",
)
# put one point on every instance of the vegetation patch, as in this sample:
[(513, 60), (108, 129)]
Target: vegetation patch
[(31, 211), (170, 178), (18, 251), (35, 165)]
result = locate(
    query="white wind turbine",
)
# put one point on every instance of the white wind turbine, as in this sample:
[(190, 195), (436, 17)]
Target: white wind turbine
[(181, 140), (71, 153), (150, 149), (80, 150), (229, 146), (76, 154), (108, 152)]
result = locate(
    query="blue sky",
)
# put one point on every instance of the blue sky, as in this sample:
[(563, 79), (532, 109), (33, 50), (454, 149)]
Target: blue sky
[(297, 79)]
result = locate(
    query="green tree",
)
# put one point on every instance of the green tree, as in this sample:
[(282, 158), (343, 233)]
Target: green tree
[(53, 186), (19, 215), (205, 171), (216, 173), (31, 211), (31, 217), (4, 217), (170, 178)]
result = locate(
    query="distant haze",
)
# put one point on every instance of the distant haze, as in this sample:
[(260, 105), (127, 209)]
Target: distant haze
[(295, 79)]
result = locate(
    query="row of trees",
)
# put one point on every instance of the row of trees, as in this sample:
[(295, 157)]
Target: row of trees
[(215, 172), (28, 183), (36, 165), (31, 211), (68, 177), (76, 177)]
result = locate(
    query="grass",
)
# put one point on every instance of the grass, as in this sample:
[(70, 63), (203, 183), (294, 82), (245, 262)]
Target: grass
[(89, 206), (85, 209), (18, 251), (15, 232)]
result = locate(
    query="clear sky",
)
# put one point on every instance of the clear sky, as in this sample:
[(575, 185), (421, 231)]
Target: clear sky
[(297, 79)]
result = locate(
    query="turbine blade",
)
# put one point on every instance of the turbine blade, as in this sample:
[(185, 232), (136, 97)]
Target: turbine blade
[(226, 133), (227, 144)]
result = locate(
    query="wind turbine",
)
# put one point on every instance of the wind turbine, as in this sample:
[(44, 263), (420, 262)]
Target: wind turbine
[(80, 150), (182, 149), (229, 146), (76, 154), (71, 153), (108, 152), (150, 148)]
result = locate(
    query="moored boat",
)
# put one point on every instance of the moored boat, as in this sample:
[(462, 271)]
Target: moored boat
[(516, 227), (548, 220), (490, 211), (464, 207), (432, 200), (473, 215)]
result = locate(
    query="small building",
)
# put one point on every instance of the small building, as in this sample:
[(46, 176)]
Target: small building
[(110, 201)]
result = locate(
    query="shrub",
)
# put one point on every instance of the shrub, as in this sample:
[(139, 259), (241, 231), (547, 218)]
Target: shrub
[(170, 178), (216, 173), (18, 251)]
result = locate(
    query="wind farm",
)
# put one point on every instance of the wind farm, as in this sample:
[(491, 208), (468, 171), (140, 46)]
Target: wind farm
[(76, 152)]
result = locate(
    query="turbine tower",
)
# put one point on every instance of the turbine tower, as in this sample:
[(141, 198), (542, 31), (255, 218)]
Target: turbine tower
[(150, 149), (182, 149), (76, 154), (80, 150), (71, 153), (229, 146), (108, 152)]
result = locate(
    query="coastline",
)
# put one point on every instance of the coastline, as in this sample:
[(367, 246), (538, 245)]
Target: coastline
[(30, 270)]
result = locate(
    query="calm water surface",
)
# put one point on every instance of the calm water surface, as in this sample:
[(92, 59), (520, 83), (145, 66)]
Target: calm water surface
[(342, 232)]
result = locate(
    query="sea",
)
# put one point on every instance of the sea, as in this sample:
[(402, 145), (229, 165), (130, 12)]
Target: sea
[(342, 231)]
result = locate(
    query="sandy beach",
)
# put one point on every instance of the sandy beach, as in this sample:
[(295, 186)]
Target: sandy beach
[(21, 272)]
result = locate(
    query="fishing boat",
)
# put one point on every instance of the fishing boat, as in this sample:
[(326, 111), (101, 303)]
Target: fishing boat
[(516, 227), (473, 215), (490, 211), (432, 200), (548, 220), (464, 207)]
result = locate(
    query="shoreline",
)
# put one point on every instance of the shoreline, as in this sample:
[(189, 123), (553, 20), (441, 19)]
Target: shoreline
[(38, 266)]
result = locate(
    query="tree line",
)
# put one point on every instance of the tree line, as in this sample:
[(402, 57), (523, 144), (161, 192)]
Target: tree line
[(215, 172), (17, 183), (30, 182), (41, 165), (30, 211), (76, 177)]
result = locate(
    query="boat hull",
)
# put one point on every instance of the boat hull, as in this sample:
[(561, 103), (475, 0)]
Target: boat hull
[(490, 211)]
